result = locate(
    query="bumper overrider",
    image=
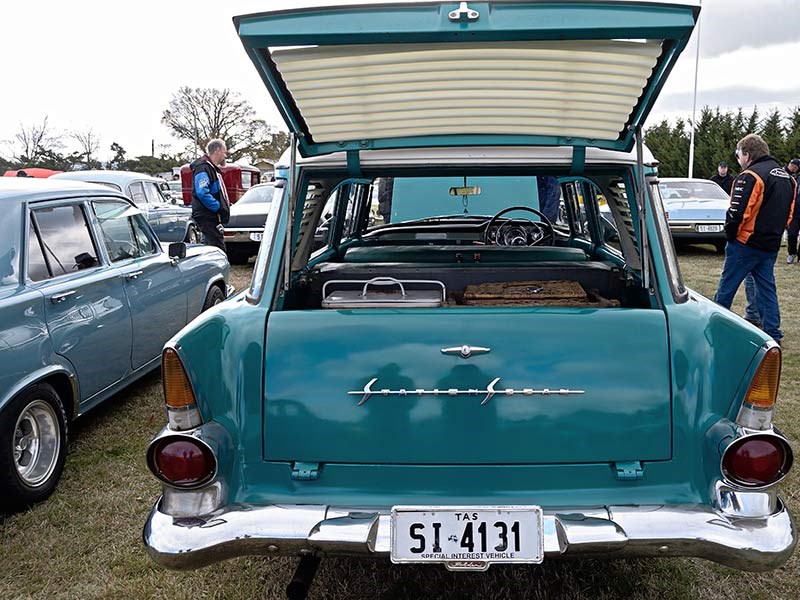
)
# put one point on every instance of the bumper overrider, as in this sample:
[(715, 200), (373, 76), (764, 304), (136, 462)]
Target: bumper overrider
[(750, 531)]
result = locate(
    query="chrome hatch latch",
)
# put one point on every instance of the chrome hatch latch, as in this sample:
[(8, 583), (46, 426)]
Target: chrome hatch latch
[(466, 351), (464, 13)]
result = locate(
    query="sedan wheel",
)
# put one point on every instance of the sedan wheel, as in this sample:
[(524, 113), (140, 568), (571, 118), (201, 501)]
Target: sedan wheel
[(193, 235), (214, 297), (36, 443), (34, 427)]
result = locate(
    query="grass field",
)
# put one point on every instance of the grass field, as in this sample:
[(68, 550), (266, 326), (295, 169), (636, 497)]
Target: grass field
[(85, 542)]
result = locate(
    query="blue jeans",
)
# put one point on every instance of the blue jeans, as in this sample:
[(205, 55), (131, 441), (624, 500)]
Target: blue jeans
[(741, 260), (751, 307)]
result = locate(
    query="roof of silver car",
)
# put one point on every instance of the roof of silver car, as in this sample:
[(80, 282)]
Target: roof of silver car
[(118, 177), (25, 188)]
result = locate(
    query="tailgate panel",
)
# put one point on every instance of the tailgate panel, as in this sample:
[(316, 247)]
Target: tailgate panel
[(617, 357)]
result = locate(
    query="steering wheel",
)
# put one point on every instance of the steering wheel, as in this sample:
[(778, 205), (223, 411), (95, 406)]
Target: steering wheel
[(543, 229)]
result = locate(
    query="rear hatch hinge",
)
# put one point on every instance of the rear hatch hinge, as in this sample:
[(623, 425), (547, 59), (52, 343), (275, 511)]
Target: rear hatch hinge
[(629, 470), (305, 471)]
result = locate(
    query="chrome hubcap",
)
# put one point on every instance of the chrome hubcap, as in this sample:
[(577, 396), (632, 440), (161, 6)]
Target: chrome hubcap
[(37, 440)]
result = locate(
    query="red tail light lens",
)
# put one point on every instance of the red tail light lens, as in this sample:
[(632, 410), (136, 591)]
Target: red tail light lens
[(183, 461), (757, 461)]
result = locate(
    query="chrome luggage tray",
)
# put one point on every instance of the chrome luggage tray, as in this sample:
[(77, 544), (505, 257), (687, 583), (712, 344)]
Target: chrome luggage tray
[(394, 293)]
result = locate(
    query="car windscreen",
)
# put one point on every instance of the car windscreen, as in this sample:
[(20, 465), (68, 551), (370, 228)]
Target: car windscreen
[(691, 190), (398, 199), (257, 194)]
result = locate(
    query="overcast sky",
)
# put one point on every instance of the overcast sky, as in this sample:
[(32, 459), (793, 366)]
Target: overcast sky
[(113, 66)]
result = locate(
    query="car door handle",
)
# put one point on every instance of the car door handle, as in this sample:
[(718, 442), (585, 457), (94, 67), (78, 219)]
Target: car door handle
[(133, 274), (59, 298)]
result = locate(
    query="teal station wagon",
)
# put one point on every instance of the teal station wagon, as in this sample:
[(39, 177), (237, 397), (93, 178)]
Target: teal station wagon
[(470, 383)]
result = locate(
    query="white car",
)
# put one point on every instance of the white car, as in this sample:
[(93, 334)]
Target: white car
[(246, 226)]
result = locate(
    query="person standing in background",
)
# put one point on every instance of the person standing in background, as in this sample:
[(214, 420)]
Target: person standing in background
[(761, 206), (210, 207), (793, 168), (723, 178)]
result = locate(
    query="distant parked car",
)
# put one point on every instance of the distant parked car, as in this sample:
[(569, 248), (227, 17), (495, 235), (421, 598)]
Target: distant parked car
[(246, 226), (175, 191), (88, 296), (696, 210), (172, 223)]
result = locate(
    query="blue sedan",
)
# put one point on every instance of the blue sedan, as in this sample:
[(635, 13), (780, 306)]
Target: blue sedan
[(696, 210), (88, 297)]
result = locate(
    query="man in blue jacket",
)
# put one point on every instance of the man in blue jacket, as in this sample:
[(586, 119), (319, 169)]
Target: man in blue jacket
[(210, 207)]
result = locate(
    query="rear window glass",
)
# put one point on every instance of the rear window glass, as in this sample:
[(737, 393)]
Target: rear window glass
[(66, 241)]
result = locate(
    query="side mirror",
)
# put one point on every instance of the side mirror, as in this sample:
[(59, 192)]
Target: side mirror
[(177, 250)]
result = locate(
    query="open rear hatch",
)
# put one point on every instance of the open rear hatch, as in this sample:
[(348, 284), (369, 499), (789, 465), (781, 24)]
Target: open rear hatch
[(582, 73), (540, 386)]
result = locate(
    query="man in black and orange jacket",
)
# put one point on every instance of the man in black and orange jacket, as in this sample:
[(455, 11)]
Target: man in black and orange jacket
[(761, 208)]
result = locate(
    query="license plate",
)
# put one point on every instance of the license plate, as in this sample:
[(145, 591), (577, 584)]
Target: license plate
[(256, 237), (709, 228), (467, 538)]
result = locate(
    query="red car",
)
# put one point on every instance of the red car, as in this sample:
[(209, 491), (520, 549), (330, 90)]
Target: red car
[(238, 179)]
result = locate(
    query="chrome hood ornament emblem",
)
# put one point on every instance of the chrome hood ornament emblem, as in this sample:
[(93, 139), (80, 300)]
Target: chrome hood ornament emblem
[(488, 393), (466, 351)]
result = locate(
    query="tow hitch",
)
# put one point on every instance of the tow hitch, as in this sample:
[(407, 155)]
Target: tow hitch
[(303, 576)]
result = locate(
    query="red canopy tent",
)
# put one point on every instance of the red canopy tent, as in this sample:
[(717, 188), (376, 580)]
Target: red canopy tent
[(33, 172)]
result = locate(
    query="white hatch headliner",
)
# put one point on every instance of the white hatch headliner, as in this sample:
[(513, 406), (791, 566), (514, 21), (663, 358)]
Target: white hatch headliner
[(579, 88)]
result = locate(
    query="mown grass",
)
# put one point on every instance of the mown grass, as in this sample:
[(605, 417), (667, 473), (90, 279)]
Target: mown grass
[(85, 542)]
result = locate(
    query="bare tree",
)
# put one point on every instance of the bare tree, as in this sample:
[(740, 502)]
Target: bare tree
[(36, 141), (89, 143), (201, 114)]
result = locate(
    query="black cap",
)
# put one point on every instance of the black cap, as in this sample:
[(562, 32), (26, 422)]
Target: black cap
[(722, 163), (795, 162)]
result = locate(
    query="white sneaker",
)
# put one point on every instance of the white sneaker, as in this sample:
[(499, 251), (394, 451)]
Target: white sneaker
[(791, 258)]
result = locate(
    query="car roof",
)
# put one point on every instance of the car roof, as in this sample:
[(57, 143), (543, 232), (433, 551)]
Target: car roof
[(477, 156), (120, 178), (683, 180), (30, 189)]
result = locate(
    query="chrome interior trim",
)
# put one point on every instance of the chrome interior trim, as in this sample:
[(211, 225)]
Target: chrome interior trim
[(752, 543)]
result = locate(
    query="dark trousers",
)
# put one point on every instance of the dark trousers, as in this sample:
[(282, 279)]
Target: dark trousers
[(741, 260), (211, 234), (792, 231)]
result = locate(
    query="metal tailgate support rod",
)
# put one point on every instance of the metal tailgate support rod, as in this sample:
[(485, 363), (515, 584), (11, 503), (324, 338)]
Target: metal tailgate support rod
[(291, 193), (641, 203), (303, 577)]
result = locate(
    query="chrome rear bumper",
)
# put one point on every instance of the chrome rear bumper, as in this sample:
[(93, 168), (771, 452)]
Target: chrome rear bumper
[(743, 542)]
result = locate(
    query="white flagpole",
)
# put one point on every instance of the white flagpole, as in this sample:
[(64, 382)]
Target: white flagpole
[(694, 101)]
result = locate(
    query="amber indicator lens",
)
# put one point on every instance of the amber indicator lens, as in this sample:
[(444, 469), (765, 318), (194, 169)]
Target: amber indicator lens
[(184, 462), (177, 389), (755, 461), (763, 389)]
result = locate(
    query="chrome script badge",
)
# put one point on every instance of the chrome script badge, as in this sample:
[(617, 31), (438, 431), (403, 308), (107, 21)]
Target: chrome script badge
[(488, 393)]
